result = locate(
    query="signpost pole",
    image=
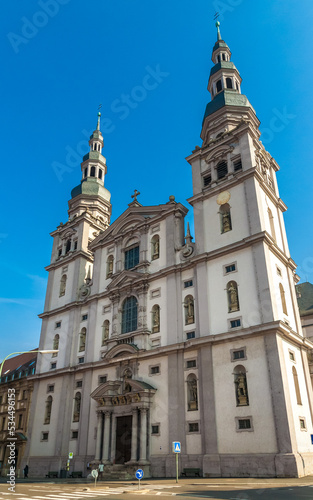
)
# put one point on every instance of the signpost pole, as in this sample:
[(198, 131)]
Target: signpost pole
[(138, 484), (176, 467)]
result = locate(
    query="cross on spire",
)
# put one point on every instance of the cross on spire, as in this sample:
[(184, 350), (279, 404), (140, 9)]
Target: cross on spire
[(217, 24), (136, 193), (99, 114)]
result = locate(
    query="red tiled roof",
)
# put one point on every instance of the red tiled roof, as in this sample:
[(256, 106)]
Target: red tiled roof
[(13, 363)]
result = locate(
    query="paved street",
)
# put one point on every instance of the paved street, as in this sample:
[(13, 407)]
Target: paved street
[(186, 489)]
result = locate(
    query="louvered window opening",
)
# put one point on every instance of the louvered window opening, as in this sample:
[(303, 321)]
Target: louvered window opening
[(221, 170)]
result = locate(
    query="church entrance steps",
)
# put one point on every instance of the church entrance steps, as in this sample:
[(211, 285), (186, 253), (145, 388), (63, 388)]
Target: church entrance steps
[(123, 471)]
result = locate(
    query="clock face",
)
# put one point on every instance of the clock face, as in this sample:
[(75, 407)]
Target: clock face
[(223, 198)]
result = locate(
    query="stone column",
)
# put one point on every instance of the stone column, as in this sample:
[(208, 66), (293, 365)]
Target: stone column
[(99, 429), (113, 439), (119, 255), (134, 435), (143, 435), (106, 438)]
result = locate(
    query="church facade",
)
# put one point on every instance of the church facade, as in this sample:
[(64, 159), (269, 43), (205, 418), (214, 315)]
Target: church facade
[(163, 339)]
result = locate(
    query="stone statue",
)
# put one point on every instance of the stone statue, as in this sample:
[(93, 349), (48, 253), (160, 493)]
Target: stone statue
[(156, 319), (190, 312), (233, 298), (226, 222), (242, 394)]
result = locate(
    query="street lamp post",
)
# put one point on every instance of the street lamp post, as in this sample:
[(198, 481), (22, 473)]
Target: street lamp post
[(45, 351)]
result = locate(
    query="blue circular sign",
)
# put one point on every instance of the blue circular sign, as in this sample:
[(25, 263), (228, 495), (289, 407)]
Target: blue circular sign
[(139, 473)]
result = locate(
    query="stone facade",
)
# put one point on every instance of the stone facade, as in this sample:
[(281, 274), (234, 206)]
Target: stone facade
[(163, 339)]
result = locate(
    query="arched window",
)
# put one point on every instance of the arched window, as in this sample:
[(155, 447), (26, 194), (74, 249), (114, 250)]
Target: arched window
[(296, 382), (155, 247), (105, 331), (48, 410), (272, 225), (93, 172), (100, 173), (219, 58), (63, 285), (224, 57), (110, 262), (221, 169), (283, 299), (232, 295), (82, 340), (55, 344), (85, 172), (225, 216), (68, 246), (129, 315), (155, 318), (242, 398), (189, 306), (76, 412), (192, 392), (218, 85), (229, 83)]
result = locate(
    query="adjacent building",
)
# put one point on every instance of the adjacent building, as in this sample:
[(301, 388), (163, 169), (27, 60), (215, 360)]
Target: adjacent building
[(15, 381), (164, 337)]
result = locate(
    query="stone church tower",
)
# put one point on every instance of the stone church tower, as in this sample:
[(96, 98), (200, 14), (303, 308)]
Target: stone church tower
[(163, 339)]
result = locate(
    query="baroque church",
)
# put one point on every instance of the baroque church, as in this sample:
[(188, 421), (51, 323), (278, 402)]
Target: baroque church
[(161, 338)]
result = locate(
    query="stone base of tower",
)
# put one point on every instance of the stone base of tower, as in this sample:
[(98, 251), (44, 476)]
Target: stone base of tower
[(236, 465)]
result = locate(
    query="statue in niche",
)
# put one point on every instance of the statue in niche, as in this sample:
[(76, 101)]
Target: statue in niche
[(156, 249), (156, 319), (193, 394), (189, 310), (242, 392), (233, 297), (226, 224), (105, 335)]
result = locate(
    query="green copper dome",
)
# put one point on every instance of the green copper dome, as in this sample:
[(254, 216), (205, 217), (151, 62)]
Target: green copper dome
[(91, 187)]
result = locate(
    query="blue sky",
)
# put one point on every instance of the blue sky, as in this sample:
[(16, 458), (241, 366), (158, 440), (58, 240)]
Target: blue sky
[(61, 58)]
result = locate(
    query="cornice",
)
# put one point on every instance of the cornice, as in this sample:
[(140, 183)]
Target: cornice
[(274, 327)]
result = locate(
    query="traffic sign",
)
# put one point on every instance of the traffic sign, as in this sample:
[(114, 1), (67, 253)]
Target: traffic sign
[(70, 455), (94, 473), (176, 447), (139, 474)]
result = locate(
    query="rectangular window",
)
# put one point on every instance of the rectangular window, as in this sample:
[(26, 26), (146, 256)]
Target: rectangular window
[(20, 422), (240, 354), (3, 424), (58, 324), (155, 429), (235, 323), (59, 252), (75, 245), (84, 317), (79, 383), (154, 370), (221, 170), (74, 434), (193, 427), (237, 165), (131, 257), (207, 179), (230, 268), (81, 360), (292, 356), (302, 424), (278, 271), (244, 424), (1, 398), (190, 335), (44, 436), (188, 283), (102, 379), (191, 363), (50, 388), (53, 366)]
